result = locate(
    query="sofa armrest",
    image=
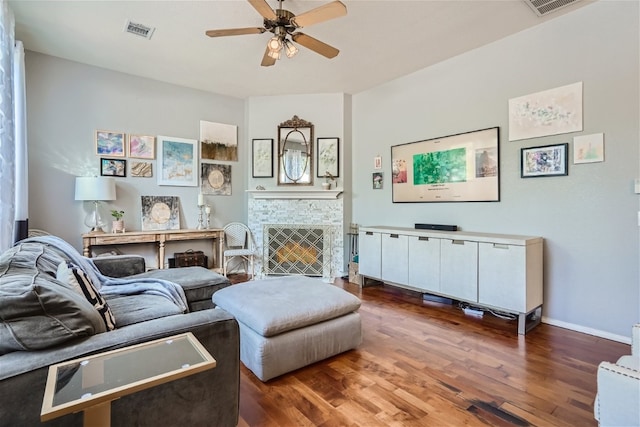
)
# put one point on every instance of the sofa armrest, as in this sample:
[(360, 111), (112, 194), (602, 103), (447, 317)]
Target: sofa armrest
[(618, 396), (120, 265), (207, 398)]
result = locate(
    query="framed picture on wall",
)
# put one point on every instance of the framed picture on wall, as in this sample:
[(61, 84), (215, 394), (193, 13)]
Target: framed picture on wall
[(142, 147), (262, 159), (547, 160), (109, 143), (160, 213), (177, 161), (113, 167), (328, 159)]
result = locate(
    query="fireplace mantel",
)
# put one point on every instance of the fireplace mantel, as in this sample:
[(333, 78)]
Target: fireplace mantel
[(295, 194)]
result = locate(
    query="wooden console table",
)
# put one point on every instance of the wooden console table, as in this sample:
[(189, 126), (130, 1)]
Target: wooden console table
[(160, 237)]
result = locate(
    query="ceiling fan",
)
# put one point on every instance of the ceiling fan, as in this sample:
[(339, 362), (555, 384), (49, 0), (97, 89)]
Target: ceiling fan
[(283, 24)]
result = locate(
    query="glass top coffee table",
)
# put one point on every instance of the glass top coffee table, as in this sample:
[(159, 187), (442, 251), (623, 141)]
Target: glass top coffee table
[(90, 384)]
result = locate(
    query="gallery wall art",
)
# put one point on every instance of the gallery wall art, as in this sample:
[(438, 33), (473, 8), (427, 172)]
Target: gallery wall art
[(547, 160), (216, 179), (160, 213), (550, 112), (218, 141), (177, 161), (142, 147), (588, 148), (109, 143)]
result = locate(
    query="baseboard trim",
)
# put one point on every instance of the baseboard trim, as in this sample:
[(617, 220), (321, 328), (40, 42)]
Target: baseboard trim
[(589, 331)]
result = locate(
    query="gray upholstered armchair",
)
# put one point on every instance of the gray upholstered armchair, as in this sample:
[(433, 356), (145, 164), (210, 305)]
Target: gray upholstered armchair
[(618, 399)]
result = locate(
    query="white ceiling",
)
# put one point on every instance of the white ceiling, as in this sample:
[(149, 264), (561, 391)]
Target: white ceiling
[(378, 40)]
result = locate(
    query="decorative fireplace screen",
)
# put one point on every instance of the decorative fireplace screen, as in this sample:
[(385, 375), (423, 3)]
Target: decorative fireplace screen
[(297, 249)]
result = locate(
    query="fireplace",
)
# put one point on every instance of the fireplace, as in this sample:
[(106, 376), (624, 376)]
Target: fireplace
[(297, 249), (301, 212)]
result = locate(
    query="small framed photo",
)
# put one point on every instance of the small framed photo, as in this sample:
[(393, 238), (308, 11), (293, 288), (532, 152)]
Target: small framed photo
[(328, 157), (548, 160), (377, 180), (262, 166), (141, 169), (377, 162), (588, 148), (110, 143), (113, 167), (142, 147)]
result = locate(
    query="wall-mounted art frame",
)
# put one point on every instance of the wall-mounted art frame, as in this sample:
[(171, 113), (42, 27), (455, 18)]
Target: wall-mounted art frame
[(160, 213), (109, 143), (142, 146), (377, 180), (113, 167), (588, 148), (262, 158), (547, 160), (328, 157), (457, 168), (550, 112), (218, 141), (215, 179), (177, 161), (141, 169)]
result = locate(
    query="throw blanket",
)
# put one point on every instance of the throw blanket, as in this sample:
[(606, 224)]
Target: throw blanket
[(112, 285)]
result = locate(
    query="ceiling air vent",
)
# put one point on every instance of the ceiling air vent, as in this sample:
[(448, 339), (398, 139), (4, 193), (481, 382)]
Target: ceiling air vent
[(545, 7), (139, 29)]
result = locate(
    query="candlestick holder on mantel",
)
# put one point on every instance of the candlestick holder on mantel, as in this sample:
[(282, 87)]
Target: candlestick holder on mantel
[(207, 211), (200, 211), (200, 218)]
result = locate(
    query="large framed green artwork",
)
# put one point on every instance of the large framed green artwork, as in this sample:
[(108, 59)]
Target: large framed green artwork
[(457, 168)]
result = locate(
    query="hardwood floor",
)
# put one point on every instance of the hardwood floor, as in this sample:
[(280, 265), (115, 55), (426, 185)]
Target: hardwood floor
[(429, 364)]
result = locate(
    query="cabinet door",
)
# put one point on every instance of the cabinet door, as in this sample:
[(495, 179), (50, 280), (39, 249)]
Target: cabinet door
[(502, 276), (424, 263), (459, 269), (395, 261), (369, 254)]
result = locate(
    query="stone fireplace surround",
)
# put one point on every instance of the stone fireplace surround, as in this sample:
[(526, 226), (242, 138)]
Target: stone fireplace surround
[(312, 211)]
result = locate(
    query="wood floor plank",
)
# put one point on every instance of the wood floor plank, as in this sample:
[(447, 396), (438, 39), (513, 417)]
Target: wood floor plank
[(428, 364)]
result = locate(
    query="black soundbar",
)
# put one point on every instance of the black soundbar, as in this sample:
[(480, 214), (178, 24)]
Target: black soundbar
[(437, 227)]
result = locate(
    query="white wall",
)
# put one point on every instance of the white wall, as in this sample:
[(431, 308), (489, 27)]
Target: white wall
[(589, 218), (68, 101)]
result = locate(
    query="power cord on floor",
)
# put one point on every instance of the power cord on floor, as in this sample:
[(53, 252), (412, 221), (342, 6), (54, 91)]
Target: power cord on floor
[(478, 311)]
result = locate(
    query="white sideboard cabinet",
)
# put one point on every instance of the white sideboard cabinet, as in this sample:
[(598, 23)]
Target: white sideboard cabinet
[(497, 271)]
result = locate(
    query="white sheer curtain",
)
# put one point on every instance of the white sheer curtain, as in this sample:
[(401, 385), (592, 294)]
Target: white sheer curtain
[(13, 153)]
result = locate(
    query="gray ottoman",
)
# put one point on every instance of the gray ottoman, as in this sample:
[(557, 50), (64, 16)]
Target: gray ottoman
[(290, 322)]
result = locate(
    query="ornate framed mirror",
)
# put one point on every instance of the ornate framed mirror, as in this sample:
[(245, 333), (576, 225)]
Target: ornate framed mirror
[(295, 152)]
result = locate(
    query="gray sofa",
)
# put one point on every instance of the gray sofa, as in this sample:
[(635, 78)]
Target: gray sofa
[(43, 321)]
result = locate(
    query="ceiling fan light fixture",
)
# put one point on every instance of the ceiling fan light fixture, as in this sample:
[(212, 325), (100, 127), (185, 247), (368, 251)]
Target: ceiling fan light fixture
[(289, 49), (275, 44), (275, 54)]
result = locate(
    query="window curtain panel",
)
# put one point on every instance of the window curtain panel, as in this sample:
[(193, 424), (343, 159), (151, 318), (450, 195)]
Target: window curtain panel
[(13, 149)]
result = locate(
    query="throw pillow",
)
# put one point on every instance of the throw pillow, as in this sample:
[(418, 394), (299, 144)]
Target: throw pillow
[(78, 279)]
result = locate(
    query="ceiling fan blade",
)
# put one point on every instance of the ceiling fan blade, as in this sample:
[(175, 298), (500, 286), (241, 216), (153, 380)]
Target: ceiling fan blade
[(263, 9), (235, 32), (320, 14), (315, 45), (267, 61)]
